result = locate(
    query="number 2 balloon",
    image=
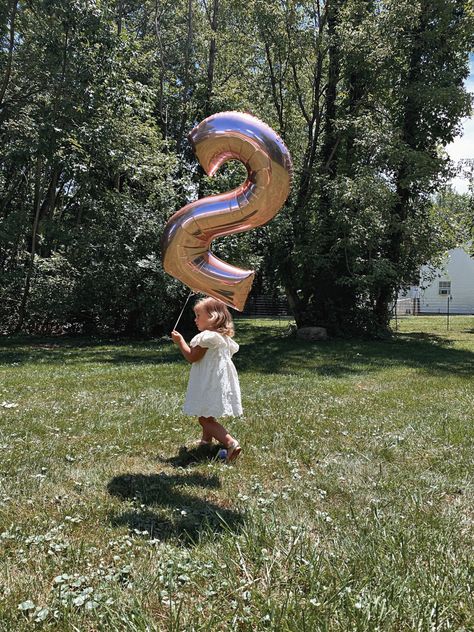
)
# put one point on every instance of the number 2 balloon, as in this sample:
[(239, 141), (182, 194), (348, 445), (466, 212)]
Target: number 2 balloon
[(190, 231)]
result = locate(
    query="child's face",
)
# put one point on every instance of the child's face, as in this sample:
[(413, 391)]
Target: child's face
[(202, 319)]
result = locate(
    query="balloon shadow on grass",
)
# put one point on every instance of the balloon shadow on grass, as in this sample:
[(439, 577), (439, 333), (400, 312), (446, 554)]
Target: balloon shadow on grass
[(184, 517)]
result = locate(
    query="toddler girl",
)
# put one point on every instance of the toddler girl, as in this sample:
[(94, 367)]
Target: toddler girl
[(213, 388)]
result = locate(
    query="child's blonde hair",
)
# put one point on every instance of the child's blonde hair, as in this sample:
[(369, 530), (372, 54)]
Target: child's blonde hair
[(221, 319)]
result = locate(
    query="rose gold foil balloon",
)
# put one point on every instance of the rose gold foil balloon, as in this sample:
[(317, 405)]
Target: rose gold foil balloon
[(189, 232)]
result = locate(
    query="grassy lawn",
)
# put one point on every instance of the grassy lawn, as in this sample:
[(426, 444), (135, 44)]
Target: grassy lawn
[(352, 507)]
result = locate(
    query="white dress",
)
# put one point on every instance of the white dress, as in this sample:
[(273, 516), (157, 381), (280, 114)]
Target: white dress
[(213, 388)]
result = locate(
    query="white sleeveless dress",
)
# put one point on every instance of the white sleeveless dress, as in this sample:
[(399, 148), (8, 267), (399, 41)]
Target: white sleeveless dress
[(213, 388)]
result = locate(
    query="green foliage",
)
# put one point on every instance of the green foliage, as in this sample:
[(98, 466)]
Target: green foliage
[(453, 218), (394, 97), (96, 101), (106, 183)]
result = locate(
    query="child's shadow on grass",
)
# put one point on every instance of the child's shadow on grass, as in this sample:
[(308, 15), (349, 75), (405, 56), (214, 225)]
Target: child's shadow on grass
[(187, 457), (184, 517)]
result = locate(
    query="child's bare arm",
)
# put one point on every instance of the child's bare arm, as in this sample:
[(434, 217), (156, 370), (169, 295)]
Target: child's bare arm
[(191, 354)]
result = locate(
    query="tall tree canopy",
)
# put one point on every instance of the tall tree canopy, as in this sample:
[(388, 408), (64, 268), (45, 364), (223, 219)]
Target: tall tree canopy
[(96, 100)]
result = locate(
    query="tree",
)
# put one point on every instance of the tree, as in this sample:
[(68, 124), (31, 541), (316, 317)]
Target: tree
[(97, 100), (83, 160), (387, 97)]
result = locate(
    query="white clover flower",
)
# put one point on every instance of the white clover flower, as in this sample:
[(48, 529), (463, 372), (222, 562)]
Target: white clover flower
[(9, 405), (79, 600), (41, 615)]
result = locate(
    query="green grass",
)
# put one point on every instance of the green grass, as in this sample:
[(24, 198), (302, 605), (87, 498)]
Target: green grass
[(351, 509)]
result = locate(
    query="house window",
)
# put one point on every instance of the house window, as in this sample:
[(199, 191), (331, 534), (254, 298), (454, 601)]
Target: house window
[(444, 288)]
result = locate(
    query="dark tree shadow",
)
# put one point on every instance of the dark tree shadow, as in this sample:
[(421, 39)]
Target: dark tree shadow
[(270, 350), (283, 354), (72, 350), (184, 517)]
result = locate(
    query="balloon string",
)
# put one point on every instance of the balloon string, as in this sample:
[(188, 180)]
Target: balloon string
[(184, 307)]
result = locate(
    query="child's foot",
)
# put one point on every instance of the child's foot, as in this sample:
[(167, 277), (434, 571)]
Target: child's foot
[(233, 452)]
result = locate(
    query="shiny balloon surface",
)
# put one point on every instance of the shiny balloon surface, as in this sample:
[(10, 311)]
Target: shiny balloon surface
[(188, 234)]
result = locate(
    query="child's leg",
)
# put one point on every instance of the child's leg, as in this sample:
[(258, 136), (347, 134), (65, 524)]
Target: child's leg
[(206, 436), (212, 428)]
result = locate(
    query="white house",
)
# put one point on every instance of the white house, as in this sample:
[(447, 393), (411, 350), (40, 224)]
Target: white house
[(453, 283)]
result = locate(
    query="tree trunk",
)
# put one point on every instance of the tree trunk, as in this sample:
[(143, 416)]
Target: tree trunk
[(162, 106), (31, 258), (11, 45), (399, 215), (185, 92), (312, 115), (120, 17), (212, 60), (276, 94), (50, 198), (387, 291), (49, 205), (321, 293)]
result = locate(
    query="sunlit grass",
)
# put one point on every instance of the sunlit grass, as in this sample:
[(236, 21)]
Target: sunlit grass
[(351, 508)]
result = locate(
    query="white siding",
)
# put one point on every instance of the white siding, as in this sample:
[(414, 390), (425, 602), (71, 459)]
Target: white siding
[(459, 271)]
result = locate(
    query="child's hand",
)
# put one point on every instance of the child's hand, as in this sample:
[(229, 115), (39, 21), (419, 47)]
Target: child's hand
[(176, 337)]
